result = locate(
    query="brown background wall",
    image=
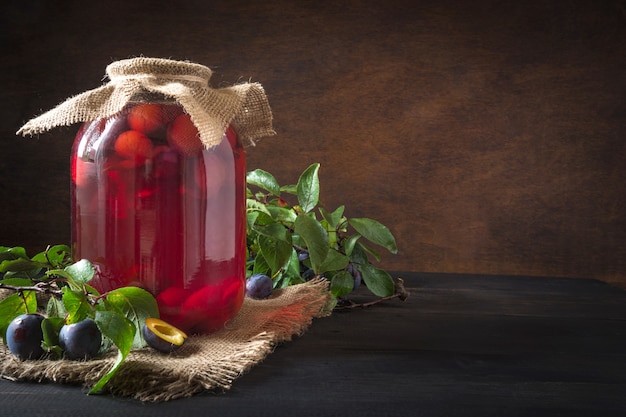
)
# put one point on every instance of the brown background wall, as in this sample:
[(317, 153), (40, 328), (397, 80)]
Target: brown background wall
[(488, 135)]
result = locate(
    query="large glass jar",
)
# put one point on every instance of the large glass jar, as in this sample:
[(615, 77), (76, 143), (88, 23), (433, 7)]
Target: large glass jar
[(153, 208)]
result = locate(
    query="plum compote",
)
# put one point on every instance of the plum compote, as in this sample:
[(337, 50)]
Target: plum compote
[(153, 208)]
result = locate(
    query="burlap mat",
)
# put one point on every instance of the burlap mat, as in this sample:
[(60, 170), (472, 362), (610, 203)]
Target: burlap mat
[(203, 363)]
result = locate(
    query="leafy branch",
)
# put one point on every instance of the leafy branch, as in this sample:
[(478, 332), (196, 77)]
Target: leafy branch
[(295, 242), (118, 314)]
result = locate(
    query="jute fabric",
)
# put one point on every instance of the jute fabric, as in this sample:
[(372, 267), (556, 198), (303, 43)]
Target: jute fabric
[(244, 105), (204, 363)]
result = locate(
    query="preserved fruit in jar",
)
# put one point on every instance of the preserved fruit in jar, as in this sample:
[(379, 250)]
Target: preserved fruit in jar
[(151, 207)]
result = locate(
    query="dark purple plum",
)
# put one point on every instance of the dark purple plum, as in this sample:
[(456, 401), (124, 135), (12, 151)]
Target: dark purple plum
[(308, 274), (80, 340), (24, 336), (259, 286), (356, 275)]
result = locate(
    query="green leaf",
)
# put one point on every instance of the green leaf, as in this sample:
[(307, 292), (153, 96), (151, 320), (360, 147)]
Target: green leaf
[(12, 253), (378, 281), (55, 308), (136, 305), (81, 272), (290, 189), (90, 290), (121, 332), (308, 188), (275, 231), (253, 205), (62, 273), (56, 256), (367, 249), (263, 219), (11, 307), (76, 304), (251, 217), (17, 282), (5, 253), (375, 232), (341, 284), (282, 214), (280, 279), (334, 261), (334, 218), (20, 265), (263, 180), (315, 237), (15, 262), (275, 252), (51, 327), (297, 240), (358, 255), (292, 269), (30, 299), (261, 266), (348, 244)]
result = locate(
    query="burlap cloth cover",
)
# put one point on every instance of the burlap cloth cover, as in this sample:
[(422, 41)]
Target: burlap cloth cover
[(206, 362), (244, 105)]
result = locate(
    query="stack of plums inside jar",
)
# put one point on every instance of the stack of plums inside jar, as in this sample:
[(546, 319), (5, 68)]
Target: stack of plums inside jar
[(153, 208)]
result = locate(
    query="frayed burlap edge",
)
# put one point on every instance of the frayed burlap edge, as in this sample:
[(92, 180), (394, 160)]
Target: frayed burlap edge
[(205, 363), (211, 110)]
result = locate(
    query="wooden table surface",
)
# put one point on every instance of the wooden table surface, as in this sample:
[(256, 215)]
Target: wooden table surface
[(461, 345)]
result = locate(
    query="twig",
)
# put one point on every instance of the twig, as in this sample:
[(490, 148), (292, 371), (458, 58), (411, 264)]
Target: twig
[(400, 293), (41, 288)]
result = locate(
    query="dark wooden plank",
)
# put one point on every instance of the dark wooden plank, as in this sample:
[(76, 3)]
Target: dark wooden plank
[(519, 295), (450, 349)]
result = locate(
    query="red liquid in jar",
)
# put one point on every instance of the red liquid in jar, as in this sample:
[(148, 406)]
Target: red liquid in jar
[(152, 208)]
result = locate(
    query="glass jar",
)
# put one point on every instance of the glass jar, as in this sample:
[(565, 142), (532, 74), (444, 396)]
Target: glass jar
[(153, 208)]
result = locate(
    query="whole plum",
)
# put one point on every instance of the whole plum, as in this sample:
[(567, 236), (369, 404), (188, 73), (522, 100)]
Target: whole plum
[(80, 340), (24, 336), (356, 275), (259, 286)]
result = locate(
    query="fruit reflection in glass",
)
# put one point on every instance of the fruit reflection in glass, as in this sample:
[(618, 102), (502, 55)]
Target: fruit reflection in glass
[(151, 207)]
